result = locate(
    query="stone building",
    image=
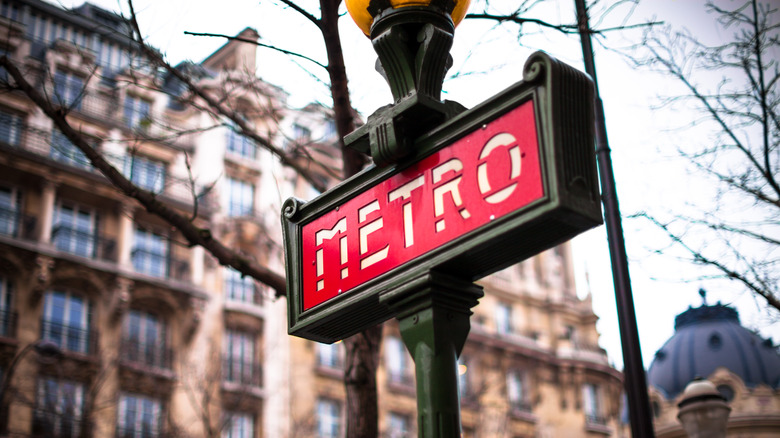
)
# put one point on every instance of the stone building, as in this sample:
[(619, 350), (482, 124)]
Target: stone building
[(709, 342), (111, 326)]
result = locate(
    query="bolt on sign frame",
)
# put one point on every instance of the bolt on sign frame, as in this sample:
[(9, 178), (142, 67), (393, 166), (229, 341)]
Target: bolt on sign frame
[(492, 186)]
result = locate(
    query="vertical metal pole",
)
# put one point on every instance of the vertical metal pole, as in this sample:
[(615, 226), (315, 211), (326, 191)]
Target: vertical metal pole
[(634, 371), (434, 323)]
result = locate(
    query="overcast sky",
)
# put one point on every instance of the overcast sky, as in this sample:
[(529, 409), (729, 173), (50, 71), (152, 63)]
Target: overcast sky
[(487, 60)]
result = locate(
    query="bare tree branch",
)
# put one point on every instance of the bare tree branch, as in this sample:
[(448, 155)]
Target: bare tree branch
[(259, 44), (193, 234), (220, 107)]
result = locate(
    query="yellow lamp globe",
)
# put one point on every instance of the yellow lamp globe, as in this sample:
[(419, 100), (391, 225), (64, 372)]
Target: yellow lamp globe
[(359, 10)]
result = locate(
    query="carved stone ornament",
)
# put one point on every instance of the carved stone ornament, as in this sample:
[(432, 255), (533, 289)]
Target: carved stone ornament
[(120, 299), (41, 278)]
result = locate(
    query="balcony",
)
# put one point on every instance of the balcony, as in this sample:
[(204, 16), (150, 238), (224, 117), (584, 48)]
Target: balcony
[(522, 410), (145, 355), (597, 424), (53, 424), (521, 406), (83, 243), (7, 323), (39, 143), (97, 106), (142, 431), (71, 339)]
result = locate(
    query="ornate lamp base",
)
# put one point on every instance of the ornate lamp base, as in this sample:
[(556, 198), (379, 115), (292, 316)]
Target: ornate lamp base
[(413, 47)]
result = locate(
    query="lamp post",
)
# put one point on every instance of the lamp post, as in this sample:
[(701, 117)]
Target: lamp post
[(446, 202), (412, 39), (703, 411), (47, 352)]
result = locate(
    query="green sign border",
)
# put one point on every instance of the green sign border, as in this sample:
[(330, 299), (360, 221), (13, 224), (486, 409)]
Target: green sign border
[(563, 99)]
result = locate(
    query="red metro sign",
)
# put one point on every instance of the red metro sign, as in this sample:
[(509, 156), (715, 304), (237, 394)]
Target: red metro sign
[(490, 187), (481, 177)]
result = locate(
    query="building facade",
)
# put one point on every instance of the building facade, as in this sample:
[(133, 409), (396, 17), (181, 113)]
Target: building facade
[(111, 325), (709, 342)]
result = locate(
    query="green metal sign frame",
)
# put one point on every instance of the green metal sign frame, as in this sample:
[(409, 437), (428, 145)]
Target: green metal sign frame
[(563, 100)]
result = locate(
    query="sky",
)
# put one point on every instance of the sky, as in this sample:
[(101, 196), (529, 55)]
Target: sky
[(487, 60)]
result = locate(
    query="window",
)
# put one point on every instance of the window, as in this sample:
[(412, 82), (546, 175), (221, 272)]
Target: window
[(137, 112), (58, 409), (66, 152), (10, 200), (239, 425), (139, 416), (240, 145), (330, 355), (150, 253), (240, 197), (503, 314), (9, 10), (68, 89), (301, 133), (328, 418), (6, 315), (144, 339), (240, 288), (727, 392), (74, 230), (240, 365), (517, 391), (591, 404), (396, 361), (3, 71), (10, 128), (146, 173), (330, 129), (398, 426), (66, 321)]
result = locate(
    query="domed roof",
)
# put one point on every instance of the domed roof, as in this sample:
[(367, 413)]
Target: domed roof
[(709, 337)]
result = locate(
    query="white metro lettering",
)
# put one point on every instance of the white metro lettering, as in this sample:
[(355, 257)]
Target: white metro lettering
[(498, 140), (320, 237), (439, 171)]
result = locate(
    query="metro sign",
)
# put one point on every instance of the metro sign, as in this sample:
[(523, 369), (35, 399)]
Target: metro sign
[(494, 185)]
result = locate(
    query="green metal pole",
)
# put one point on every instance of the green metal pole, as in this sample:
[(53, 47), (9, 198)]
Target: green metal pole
[(434, 323), (634, 371)]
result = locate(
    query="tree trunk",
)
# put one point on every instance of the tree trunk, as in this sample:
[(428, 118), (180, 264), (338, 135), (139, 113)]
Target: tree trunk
[(362, 350)]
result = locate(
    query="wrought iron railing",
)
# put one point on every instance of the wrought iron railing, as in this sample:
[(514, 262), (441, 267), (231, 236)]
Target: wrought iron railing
[(53, 424), (69, 338), (83, 243), (8, 323), (148, 354), (521, 406), (245, 372), (141, 431), (40, 142), (595, 419)]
